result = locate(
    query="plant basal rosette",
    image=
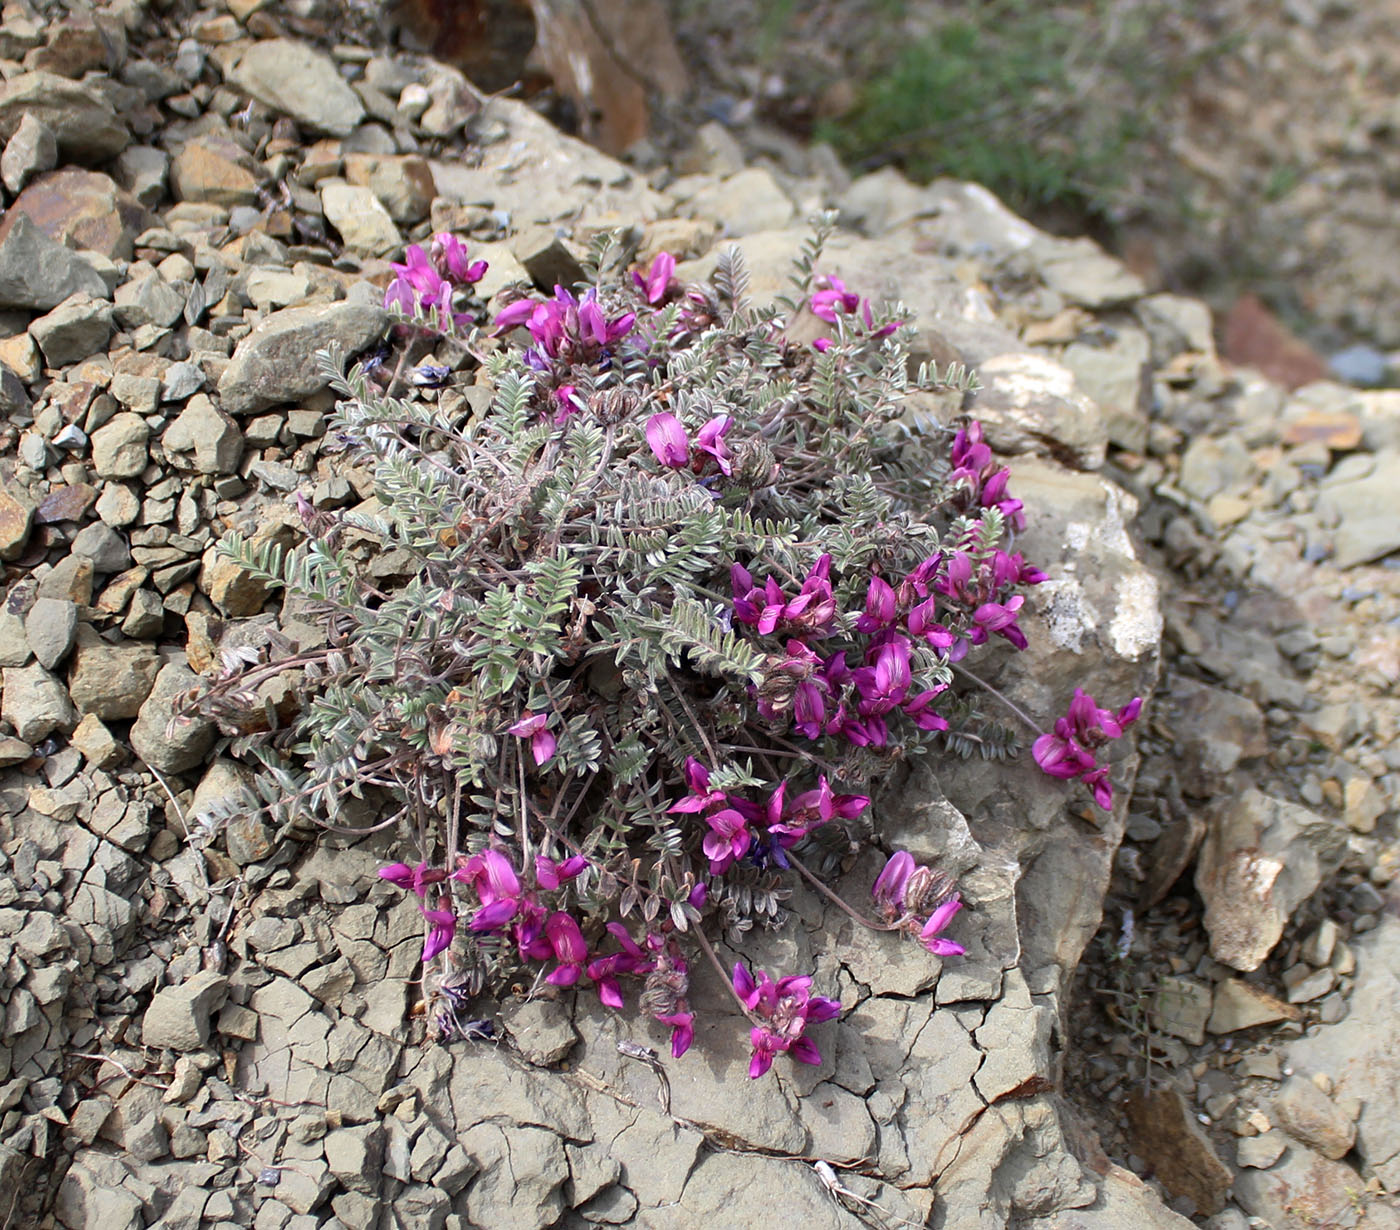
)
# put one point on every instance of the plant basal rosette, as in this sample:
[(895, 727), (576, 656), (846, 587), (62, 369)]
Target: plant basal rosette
[(649, 595)]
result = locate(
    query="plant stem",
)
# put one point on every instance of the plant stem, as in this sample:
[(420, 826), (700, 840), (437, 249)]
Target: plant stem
[(1005, 700), (719, 969), (840, 902)]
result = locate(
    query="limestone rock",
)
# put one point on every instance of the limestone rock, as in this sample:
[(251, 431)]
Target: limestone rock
[(119, 447), (541, 1029), (1183, 1157), (276, 362), (51, 625), (83, 122), (172, 745), (110, 681), (363, 222), (1238, 1005), (214, 169), (178, 1016), (522, 1176), (745, 203), (566, 178), (1310, 1116), (31, 151), (1302, 1189), (76, 329), (1262, 857), (1362, 1054), (38, 274), (35, 703), (290, 77), (207, 432), (148, 301)]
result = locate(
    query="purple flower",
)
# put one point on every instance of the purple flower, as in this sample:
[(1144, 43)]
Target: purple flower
[(415, 878), (938, 920), (497, 887), (566, 939), (880, 608), (549, 874), (768, 608), (701, 797), (542, 743), (1068, 752), (682, 1031), (658, 280), (727, 841), (833, 298), (982, 483), (892, 881), (449, 254), (668, 441), (711, 441), (786, 1008), (442, 930), (605, 970), (883, 684)]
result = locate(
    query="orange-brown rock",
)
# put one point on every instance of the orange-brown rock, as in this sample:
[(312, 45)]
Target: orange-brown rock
[(82, 209), (1255, 337)]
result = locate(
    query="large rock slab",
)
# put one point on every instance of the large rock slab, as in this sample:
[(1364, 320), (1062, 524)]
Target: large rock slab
[(38, 273), (276, 362), (1262, 858), (561, 179), (289, 76), (79, 115)]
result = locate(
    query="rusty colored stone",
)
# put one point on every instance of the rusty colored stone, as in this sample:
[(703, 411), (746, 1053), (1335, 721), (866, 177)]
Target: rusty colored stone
[(1255, 337), (1340, 430), (66, 504), (1179, 1152), (82, 209)]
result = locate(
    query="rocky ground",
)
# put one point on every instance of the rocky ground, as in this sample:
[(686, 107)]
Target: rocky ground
[(214, 1024)]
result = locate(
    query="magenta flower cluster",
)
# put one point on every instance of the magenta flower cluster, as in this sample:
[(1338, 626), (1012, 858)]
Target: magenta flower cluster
[(514, 912), (426, 285), (835, 304), (1068, 752), (783, 1010), (672, 448), (979, 481), (901, 890), (566, 327), (736, 825), (825, 695)]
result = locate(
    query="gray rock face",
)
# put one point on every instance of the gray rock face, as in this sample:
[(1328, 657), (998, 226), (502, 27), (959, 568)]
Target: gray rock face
[(276, 362), (289, 76), (35, 703), (119, 447), (51, 626), (32, 150), (38, 273), (79, 116), (1261, 859), (110, 681), (1310, 1116), (163, 743), (208, 433), (179, 1016), (77, 328)]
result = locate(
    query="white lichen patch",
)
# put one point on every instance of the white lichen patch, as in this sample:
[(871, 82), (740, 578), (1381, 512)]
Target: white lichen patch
[(1136, 627), (1068, 614)]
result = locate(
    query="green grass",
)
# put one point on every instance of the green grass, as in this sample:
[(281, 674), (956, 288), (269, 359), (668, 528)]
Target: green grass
[(1045, 106)]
